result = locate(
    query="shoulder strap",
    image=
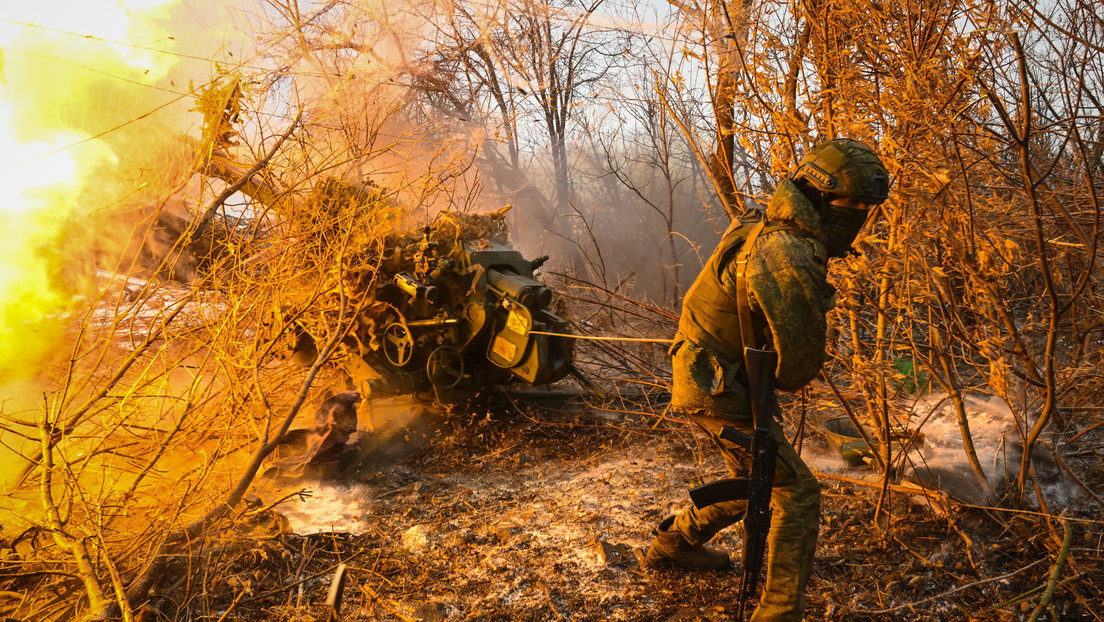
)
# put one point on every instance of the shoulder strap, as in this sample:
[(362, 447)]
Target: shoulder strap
[(743, 298), (743, 301)]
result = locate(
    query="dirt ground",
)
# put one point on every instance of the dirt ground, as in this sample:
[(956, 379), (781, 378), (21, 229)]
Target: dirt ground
[(538, 510)]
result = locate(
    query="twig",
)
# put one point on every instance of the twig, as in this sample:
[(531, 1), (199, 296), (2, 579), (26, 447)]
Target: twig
[(1097, 425), (950, 592), (297, 583), (1088, 521), (302, 492), (588, 285), (209, 214), (548, 594), (116, 580), (306, 552), (59, 431), (1031, 592), (854, 420), (927, 492), (139, 588), (74, 546), (232, 606), (389, 606), (1073, 476), (1059, 564)]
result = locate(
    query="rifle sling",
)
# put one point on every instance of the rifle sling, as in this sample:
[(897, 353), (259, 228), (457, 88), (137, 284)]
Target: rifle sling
[(743, 299), (743, 295)]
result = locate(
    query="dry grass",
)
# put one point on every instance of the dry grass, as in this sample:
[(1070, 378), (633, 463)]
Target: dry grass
[(501, 515)]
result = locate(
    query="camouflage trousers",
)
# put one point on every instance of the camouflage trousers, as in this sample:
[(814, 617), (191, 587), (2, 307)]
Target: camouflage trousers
[(795, 522)]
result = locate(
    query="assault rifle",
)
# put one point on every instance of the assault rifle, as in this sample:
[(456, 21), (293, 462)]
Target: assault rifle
[(756, 488)]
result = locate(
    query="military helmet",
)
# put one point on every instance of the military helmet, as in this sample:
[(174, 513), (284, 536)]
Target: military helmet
[(845, 167)]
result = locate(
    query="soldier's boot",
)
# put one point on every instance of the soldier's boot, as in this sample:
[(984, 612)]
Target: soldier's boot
[(670, 548)]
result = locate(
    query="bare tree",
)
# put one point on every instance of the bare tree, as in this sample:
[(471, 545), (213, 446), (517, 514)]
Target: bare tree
[(522, 70)]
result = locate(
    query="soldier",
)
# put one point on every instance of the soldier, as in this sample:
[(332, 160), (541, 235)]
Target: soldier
[(814, 215)]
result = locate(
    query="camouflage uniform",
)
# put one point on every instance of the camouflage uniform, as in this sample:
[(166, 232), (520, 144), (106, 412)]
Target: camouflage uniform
[(788, 282)]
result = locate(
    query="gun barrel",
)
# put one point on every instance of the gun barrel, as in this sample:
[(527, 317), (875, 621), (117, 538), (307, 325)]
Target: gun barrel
[(521, 288), (433, 323)]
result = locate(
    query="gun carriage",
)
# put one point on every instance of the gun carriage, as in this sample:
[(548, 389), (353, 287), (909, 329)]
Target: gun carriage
[(450, 308)]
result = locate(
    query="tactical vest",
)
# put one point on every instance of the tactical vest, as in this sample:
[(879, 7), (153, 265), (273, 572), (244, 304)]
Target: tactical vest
[(710, 315)]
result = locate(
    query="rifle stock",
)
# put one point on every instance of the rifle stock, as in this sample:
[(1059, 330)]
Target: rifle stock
[(719, 491)]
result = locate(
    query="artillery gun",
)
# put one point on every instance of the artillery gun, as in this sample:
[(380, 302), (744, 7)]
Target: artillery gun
[(451, 308)]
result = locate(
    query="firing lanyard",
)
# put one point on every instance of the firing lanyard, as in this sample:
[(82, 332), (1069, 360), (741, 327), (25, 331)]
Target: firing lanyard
[(743, 299), (589, 338)]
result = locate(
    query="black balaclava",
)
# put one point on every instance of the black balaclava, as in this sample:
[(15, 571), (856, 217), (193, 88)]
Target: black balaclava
[(841, 225)]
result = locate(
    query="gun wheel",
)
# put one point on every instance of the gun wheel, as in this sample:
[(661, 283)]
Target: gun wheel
[(445, 367), (398, 344)]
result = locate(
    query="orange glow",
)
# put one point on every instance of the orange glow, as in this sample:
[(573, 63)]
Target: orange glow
[(63, 69)]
